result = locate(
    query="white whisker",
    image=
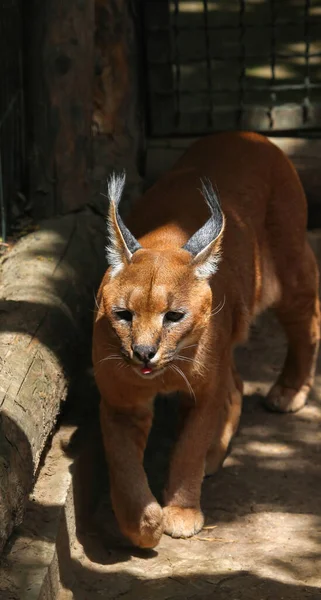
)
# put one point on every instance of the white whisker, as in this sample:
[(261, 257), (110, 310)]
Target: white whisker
[(110, 346), (191, 346), (190, 360), (218, 308), (180, 372), (186, 358), (96, 301), (111, 357), (120, 365), (97, 306)]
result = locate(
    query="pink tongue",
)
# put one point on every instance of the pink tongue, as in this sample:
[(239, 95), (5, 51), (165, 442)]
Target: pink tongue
[(146, 370)]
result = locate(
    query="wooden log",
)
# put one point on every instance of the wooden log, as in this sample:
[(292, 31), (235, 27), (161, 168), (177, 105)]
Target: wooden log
[(60, 70), (47, 290)]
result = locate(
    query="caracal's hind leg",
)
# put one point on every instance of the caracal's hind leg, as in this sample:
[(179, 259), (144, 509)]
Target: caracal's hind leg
[(227, 423), (299, 313)]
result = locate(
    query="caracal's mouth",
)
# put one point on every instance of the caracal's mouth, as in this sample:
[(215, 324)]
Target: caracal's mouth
[(149, 372)]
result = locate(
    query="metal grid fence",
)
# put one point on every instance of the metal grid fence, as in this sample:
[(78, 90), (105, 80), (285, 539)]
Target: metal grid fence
[(236, 64), (12, 140)]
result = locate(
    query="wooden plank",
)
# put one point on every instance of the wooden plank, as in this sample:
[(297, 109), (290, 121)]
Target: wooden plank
[(47, 291)]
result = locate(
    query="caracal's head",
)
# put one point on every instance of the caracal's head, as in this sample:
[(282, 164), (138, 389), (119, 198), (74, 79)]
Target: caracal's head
[(158, 302)]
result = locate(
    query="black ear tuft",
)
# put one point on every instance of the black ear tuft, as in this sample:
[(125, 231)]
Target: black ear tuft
[(213, 227)]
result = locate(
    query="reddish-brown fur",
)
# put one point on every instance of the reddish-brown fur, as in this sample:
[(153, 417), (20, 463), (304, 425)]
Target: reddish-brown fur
[(266, 261)]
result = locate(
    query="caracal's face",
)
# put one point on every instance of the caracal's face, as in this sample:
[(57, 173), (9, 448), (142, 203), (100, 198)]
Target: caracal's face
[(156, 307)]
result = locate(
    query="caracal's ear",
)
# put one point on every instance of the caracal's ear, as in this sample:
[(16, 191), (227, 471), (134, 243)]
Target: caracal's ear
[(205, 244), (121, 243)]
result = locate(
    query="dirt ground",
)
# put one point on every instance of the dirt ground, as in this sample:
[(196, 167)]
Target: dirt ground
[(263, 508)]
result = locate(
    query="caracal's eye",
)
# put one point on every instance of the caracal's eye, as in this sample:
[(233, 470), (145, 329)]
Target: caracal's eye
[(173, 316), (124, 315)]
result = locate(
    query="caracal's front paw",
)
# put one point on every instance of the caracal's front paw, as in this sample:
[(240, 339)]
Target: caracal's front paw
[(182, 522), (284, 399), (149, 529)]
